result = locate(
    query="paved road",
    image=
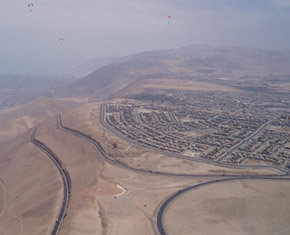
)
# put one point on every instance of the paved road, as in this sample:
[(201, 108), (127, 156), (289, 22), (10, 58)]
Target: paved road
[(177, 155), (235, 147), (64, 176), (162, 208)]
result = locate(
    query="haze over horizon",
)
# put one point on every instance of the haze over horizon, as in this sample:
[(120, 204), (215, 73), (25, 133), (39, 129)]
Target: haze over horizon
[(30, 36)]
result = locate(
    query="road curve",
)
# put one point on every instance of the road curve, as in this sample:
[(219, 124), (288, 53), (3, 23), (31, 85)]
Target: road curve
[(64, 175), (164, 205), (115, 162)]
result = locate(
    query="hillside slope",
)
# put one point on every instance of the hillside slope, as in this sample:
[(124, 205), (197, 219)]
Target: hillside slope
[(16, 120), (190, 63)]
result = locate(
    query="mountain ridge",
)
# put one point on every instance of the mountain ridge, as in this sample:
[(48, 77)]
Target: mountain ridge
[(191, 62)]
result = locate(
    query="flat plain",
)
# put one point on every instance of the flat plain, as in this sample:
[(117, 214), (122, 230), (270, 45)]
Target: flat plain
[(233, 207)]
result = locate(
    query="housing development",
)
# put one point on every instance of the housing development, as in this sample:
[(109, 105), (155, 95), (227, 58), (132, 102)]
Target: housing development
[(226, 127)]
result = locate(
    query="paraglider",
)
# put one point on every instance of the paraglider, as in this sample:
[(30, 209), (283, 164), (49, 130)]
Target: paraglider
[(61, 40), (30, 5)]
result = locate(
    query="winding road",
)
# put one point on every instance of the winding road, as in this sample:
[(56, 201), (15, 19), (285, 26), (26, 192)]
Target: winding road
[(64, 176)]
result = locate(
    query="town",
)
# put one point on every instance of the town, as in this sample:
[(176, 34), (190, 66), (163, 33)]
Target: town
[(240, 128)]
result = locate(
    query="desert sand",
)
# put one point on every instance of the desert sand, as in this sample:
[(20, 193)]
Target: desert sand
[(30, 189), (17, 120), (233, 207), (103, 195)]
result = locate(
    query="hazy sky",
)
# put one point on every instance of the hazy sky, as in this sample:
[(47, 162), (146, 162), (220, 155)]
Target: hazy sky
[(29, 40)]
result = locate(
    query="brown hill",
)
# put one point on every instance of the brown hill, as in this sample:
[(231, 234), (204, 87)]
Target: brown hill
[(191, 63), (16, 120)]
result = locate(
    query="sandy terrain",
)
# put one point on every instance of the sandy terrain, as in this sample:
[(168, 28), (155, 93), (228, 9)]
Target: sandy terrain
[(134, 211), (103, 195), (18, 119), (234, 207), (30, 189), (79, 159)]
